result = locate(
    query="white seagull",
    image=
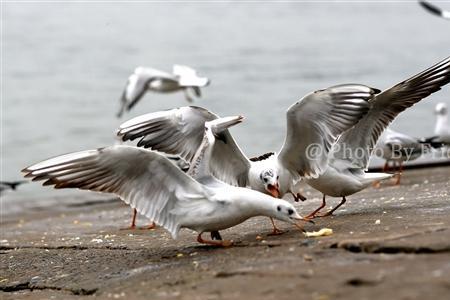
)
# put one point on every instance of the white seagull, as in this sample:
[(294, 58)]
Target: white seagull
[(349, 157), (431, 8), (316, 119), (397, 147), (153, 185), (183, 78), (442, 128)]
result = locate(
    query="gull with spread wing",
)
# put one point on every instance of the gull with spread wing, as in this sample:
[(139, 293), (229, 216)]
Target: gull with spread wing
[(350, 156), (318, 118), (183, 78), (149, 182)]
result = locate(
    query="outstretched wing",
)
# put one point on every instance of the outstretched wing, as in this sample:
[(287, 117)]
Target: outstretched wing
[(357, 144), (143, 179), (315, 122), (180, 132)]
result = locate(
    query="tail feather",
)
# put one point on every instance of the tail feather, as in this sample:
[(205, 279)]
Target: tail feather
[(371, 177)]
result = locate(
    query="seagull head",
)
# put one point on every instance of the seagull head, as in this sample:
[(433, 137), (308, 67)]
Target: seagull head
[(284, 211), (441, 109), (270, 177)]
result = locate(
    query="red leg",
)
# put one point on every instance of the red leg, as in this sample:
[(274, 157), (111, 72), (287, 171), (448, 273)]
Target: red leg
[(133, 223), (275, 231), (399, 175), (223, 243), (333, 210), (313, 214)]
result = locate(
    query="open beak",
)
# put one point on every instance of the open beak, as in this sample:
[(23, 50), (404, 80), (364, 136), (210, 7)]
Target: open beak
[(274, 190)]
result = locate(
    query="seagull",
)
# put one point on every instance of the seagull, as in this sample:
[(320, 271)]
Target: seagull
[(145, 79), (349, 157), (435, 10), (318, 118), (149, 182), (442, 128), (9, 185), (397, 148)]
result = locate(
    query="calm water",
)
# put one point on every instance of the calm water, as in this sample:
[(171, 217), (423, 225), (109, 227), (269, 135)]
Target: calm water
[(64, 67)]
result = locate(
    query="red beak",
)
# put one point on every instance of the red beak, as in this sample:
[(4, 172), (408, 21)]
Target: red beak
[(274, 190)]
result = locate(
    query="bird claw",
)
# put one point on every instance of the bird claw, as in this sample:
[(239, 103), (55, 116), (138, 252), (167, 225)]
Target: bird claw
[(276, 231), (134, 227)]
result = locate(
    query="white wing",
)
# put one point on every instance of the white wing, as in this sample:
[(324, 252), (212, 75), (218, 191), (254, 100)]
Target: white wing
[(143, 179), (180, 132), (188, 77), (385, 107), (316, 121)]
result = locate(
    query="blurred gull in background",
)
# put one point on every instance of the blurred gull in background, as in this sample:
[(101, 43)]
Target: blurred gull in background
[(9, 185), (183, 78), (442, 129), (397, 147)]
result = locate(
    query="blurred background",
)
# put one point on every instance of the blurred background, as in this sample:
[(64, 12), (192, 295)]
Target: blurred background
[(65, 66)]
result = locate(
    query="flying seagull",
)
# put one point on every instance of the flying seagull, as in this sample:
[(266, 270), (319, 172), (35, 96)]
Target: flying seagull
[(149, 182), (183, 78), (317, 119), (431, 8), (349, 157)]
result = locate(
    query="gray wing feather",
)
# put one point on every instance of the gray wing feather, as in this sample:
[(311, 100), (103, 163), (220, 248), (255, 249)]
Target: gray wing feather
[(316, 121), (385, 107), (180, 132)]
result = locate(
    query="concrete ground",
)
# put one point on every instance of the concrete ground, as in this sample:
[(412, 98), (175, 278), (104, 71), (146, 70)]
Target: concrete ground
[(391, 243)]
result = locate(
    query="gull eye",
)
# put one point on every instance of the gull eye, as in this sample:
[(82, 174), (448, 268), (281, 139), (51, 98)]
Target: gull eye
[(278, 176), (279, 208), (265, 179), (290, 211)]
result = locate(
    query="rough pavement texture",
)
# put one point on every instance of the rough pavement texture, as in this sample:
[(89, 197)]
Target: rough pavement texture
[(391, 243)]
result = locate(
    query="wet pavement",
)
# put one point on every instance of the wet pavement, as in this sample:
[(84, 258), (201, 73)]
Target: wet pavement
[(391, 242)]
